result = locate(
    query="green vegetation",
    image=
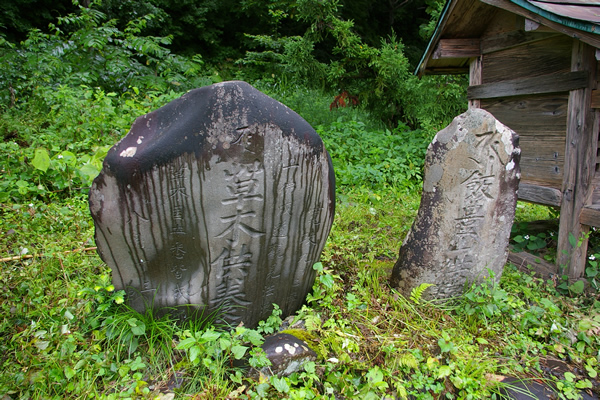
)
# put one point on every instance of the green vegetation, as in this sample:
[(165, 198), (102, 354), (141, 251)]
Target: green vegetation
[(69, 93)]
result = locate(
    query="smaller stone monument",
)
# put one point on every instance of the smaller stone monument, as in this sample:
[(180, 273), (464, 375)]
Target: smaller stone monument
[(467, 208)]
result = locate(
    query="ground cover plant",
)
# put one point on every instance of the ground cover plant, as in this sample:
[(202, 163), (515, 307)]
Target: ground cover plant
[(65, 332)]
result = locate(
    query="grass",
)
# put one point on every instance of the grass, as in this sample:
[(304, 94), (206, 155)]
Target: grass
[(65, 335)]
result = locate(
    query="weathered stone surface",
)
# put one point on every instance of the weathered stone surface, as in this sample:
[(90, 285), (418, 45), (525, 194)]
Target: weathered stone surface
[(467, 208), (287, 354), (220, 202)]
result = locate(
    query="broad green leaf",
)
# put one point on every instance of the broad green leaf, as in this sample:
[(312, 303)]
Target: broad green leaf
[(224, 343), (137, 364), (239, 351), (118, 298), (445, 346), (518, 239), (186, 343), (444, 371), (310, 367), (549, 305), (584, 384), (89, 170), (42, 344), (69, 158), (374, 375), (585, 324), (327, 280), (210, 336), (133, 344), (263, 389), (137, 327), (80, 364), (457, 382), (280, 384), (577, 287), (69, 372), (41, 160), (569, 376), (123, 370), (194, 352), (208, 362), (572, 240), (253, 337)]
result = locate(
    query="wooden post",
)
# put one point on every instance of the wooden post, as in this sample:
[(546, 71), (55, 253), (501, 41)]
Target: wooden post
[(579, 167), (475, 78)]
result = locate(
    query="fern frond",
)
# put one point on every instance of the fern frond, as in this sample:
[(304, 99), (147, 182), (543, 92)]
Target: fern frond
[(416, 293), (408, 360)]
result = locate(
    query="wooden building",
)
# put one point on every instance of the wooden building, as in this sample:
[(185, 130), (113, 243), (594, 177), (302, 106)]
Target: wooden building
[(534, 66)]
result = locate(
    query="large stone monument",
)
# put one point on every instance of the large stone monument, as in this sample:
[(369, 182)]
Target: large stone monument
[(216, 205), (467, 208)]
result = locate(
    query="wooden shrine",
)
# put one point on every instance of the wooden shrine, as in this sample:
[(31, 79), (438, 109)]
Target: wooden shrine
[(534, 66)]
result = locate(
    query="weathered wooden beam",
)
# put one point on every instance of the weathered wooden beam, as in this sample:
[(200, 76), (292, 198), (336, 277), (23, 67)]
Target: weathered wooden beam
[(540, 195), (595, 98), (475, 78), (543, 57), (590, 215), (509, 40), (552, 83), (589, 38), (579, 168), (457, 48), (446, 70), (528, 262), (543, 115)]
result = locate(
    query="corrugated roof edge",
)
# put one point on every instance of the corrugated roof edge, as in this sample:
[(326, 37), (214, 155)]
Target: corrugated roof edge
[(560, 19), (571, 23)]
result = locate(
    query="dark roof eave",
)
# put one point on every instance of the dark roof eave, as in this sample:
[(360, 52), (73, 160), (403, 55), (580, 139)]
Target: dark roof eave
[(434, 38), (579, 25)]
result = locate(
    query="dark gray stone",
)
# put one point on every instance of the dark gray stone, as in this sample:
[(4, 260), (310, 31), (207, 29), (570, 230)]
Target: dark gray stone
[(217, 204), (467, 208), (287, 354)]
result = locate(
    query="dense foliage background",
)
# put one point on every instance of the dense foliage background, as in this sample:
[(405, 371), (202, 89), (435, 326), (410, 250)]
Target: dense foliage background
[(80, 73), (73, 78)]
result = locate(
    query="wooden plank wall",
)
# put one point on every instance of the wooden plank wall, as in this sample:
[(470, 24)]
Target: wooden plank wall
[(525, 83), (541, 123)]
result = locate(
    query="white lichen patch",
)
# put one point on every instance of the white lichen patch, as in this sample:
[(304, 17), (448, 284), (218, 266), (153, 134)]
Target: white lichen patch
[(506, 136), (290, 349), (510, 166), (279, 349), (129, 152), (139, 140)]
